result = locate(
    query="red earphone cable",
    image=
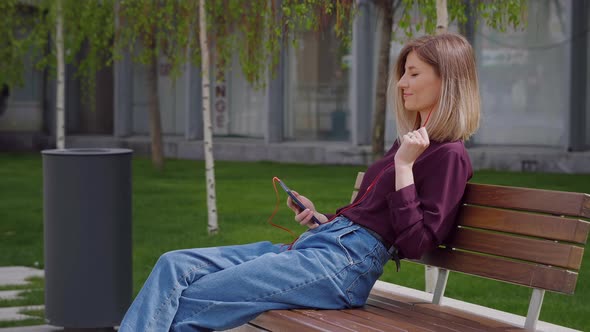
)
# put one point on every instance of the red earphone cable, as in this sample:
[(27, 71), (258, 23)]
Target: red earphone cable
[(365, 194), (427, 118), (274, 212)]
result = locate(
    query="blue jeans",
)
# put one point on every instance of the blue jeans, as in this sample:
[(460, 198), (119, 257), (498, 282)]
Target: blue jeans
[(333, 266)]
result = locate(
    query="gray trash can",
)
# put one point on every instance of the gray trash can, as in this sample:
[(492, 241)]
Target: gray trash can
[(87, 234)]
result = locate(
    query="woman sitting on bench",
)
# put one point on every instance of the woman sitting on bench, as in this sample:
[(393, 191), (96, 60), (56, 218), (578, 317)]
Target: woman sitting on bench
[(406, 205)]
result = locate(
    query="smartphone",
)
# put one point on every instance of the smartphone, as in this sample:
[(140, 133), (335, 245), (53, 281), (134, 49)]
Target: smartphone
[(298, 202)]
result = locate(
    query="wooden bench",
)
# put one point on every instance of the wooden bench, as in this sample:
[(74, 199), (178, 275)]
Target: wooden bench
[(528, 237)]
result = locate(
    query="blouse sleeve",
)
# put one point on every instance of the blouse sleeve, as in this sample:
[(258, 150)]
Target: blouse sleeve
[(423, 213)]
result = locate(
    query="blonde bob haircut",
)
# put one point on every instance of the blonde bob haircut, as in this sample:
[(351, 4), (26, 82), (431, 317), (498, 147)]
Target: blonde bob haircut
[(457, 114)]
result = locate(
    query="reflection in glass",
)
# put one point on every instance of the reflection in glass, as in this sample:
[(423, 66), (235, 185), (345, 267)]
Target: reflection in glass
[(316, 89)]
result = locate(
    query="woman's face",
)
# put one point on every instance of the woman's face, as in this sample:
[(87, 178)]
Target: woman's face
[(420, 85)]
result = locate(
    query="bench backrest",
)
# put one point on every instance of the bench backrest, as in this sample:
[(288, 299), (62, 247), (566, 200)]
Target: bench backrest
[(529, 237)]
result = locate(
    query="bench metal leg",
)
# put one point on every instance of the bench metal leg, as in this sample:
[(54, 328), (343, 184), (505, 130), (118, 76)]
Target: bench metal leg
[(532, 316), (430, 274), (441, 285)]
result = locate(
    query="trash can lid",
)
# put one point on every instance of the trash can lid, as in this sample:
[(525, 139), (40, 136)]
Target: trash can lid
[(86, 151)]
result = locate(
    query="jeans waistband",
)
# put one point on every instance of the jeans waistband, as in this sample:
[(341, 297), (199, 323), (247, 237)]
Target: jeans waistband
[(391, 249)]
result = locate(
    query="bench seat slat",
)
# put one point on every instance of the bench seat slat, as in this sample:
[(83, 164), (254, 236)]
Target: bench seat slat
[(431, 318), (463, 322), (488, 322), (322, 320), (528, 249), (289, 320), (547, 201), (387, 320), (531, 224), (342, 318), (410, 322), (420, 303), (530, 275)]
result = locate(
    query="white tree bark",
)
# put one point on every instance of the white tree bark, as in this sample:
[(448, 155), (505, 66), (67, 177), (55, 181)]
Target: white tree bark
[(61, 82), (212, 225), (442, 16)]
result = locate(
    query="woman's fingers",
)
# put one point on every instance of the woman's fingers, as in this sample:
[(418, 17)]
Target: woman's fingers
[(424, 134), (303, 215), (304, 218), (413, 144), (292, 204), (419, 136)]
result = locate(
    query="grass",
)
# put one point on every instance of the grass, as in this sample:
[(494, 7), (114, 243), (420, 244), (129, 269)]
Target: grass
[(169, 212)]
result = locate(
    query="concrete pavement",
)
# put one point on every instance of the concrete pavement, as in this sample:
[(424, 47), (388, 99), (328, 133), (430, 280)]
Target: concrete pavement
[(17, 276)]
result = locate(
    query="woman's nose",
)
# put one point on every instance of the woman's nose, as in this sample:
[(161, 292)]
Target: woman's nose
[(402, 83)]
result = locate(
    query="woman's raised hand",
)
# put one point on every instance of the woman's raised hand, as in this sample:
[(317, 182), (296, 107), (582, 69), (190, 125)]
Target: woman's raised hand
[(412, 146)]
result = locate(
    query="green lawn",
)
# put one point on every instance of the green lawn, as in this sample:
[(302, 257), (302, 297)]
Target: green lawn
[(169, 212)]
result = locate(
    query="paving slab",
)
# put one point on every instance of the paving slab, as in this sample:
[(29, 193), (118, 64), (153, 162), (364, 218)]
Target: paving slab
[(36, 328), (13, 313), (50, 328), (17, 275), (10, 294)]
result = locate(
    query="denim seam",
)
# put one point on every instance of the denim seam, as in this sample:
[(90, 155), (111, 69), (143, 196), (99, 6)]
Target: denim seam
[(270, 295), (339, 239), (370, 255), (169, 297)]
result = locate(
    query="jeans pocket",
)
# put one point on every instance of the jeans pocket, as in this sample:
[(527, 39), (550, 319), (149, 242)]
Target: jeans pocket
[(355, 245), (367, 274)]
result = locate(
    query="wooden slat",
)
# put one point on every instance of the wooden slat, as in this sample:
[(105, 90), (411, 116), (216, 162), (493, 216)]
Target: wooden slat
[(462, 322), (485, 320), (246, 328), (586, 206), (530, 275), (430, 318), (403, 324), (547, 201), (357, 185), (403, 319), (528, 249), (287, 320), (342, 319), (398, 297), (359, 180), (524, 223), (354, 193)]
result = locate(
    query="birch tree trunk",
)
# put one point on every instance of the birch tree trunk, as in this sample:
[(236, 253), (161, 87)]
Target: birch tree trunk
[(61, 82), (212, 225), (442, 16)]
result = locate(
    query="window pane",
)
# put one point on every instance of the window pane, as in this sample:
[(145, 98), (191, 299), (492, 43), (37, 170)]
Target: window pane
[(524, 78), (246, 104), (316, 89)]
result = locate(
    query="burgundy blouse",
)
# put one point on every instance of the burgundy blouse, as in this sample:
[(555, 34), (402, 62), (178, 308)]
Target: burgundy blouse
[(418, 217)]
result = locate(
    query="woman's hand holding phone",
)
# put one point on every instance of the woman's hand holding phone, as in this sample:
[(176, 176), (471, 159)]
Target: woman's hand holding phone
[(304, 217)]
